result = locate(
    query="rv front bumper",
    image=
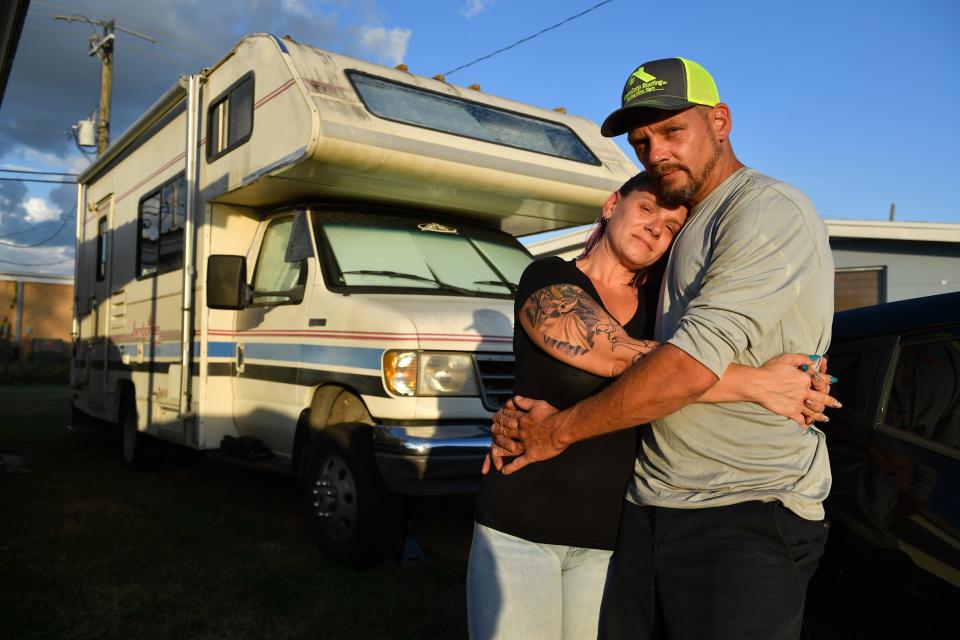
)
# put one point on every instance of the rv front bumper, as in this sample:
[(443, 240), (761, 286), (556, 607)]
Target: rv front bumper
[(431, 460)]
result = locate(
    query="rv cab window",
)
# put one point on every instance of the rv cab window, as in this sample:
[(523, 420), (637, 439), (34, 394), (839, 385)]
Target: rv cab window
[(276, 281), (424, 255), (230, 118)]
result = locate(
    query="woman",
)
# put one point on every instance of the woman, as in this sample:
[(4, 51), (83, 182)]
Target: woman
[(543, 536)]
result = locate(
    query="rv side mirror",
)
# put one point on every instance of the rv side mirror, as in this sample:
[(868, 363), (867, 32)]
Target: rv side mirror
[(226, 282)]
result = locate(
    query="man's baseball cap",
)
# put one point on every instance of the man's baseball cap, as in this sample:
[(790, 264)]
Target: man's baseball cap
[(670, 84)]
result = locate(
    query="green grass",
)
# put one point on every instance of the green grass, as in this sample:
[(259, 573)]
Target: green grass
[(34, 373), (210, 550)]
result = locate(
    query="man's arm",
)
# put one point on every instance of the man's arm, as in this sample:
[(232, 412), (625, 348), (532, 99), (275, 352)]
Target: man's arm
[(665, 380)]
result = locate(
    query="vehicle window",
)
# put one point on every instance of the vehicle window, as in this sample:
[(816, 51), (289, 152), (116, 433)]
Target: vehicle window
[(102, 249), (450, 114), (161, 218), (230, 119), (925, 396), (273, 274), (857, 374), (371, 250)]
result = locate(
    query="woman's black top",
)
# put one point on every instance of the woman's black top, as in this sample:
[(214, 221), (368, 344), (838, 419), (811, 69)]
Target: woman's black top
[(574, 499)]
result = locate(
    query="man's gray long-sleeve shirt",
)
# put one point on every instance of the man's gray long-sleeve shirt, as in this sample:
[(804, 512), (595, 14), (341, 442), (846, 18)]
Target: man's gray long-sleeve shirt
[(750, 278)]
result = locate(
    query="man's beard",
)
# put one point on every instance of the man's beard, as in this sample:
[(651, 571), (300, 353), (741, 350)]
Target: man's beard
[(681, 195)]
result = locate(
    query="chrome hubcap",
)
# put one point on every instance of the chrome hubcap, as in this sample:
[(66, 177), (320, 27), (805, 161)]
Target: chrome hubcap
[(335, 498)]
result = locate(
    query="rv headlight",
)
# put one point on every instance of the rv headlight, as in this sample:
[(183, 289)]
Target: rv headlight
[(412, 373), (400, 372)]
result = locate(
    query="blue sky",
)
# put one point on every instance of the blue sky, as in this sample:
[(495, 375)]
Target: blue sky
[(852, 102)]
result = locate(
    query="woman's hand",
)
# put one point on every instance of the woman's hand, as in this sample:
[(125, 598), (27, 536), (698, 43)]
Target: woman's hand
[(783, 387)]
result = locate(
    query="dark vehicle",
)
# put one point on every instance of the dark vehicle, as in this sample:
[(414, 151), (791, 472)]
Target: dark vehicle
[(892, 563)]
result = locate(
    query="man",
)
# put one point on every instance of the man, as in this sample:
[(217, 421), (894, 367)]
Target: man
[(723, 524)]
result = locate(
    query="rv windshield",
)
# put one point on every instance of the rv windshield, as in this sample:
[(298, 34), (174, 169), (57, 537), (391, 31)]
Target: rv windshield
[(381, 252)]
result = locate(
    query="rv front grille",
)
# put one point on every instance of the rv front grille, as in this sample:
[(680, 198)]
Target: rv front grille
[(496, 378)]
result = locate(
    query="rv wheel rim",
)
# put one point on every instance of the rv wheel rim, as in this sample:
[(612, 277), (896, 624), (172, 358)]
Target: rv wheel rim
[(335, 498), (129, 439)]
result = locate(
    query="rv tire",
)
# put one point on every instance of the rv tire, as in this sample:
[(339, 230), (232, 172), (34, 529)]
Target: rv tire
[(137, 450), (353, 518)]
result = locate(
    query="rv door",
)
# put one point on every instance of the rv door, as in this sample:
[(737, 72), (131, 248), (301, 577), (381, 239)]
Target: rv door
[(98, 358)]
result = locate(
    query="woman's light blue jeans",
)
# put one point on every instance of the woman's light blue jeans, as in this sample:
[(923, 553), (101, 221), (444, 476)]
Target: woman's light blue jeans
[(517, 589)]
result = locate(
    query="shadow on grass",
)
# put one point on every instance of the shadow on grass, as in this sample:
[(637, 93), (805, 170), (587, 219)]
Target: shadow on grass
[(207, 550)]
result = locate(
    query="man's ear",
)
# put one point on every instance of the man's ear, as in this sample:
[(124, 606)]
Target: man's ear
[(720, 121)]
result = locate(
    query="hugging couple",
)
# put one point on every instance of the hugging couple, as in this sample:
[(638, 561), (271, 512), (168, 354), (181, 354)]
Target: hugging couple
[(659, 474)]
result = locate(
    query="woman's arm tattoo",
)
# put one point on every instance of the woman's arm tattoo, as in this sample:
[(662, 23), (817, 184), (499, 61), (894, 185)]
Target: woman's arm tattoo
[(568, 319)]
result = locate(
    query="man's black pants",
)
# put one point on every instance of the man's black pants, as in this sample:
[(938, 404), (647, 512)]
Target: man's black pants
[(737, 572)]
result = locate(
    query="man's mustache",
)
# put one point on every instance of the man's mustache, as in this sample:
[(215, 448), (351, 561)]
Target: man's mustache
[(659, 170)]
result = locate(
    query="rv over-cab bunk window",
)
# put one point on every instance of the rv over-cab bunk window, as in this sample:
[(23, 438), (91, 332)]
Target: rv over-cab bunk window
[(161, 216), (449, 114), (230, 118)]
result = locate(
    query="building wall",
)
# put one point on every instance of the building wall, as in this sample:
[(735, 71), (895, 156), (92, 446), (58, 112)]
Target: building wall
[(46, 309), (8, 304), (913, 269)]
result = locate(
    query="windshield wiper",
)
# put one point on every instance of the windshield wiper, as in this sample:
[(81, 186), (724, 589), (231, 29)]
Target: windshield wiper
[(412, 276), (502, 283)]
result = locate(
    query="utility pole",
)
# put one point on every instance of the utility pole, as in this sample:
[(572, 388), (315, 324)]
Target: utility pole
[(102, 47)]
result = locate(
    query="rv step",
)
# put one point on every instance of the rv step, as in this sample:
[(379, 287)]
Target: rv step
[(245, 447)]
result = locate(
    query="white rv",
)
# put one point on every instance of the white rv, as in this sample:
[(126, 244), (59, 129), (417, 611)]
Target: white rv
[(308, 260)]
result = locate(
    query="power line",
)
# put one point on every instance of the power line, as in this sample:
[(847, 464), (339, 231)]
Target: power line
[(25, 128), (529, 38), (63, 223), (44, 173), (39, 180), (154, 56), (41, 264), (172, 39), (34, 228)]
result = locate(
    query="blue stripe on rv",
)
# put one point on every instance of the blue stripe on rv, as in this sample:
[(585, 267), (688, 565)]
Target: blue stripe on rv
[(359, 357), (221, 349)]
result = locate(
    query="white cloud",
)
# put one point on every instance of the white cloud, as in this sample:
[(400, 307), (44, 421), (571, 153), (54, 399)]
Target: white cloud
[(39, 210), (55, 260), (297, 7), (389, 44), (473, 8), (50, 161)]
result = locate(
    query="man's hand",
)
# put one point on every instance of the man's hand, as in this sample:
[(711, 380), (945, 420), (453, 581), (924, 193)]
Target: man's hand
[(523, 428)]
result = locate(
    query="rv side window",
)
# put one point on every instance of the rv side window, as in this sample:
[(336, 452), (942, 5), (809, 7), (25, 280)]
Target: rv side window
[(102, 248), (161, 219), (276, 281), (449, 114), (230, 118)]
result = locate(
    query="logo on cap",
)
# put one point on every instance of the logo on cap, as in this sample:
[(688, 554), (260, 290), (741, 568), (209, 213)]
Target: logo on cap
[(643, 76), (648, 83)]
